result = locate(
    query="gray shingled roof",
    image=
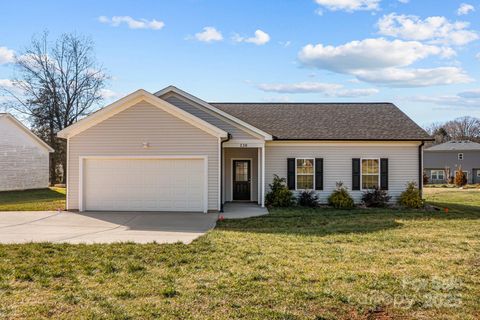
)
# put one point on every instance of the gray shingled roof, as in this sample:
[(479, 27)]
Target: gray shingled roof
[(463, 145), (327, 121)]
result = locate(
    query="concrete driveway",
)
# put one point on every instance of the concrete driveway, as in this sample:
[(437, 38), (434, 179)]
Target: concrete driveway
[(103, 227)]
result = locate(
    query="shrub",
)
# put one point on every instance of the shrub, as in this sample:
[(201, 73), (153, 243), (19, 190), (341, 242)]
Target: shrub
[(340, 198), (308, 199), (460, 177), (376, 198), (411, 197), (279, 195), (425, 178)]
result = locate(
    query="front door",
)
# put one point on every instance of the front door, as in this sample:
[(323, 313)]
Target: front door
[(241, 180)]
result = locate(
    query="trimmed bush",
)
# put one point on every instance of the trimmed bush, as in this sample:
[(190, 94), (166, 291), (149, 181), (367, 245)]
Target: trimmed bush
[(460, 177), (376, 198), (340, 198), (279, 195), (307, 199), (411, 198)]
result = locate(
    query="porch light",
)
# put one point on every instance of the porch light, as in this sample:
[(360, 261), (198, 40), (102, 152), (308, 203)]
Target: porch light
[(146, 145)]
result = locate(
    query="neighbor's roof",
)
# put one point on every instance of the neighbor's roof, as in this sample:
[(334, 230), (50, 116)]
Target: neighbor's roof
[(328, 121), (456, 145), (20, 125)]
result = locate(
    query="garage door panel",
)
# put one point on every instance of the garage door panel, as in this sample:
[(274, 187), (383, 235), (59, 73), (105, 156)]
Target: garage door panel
[(144, 184)]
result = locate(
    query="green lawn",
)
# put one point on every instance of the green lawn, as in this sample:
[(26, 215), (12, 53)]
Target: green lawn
[(33, 200), (291, 264)]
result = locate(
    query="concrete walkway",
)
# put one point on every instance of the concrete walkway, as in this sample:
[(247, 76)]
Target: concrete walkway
[(103, 227), (241, 210)]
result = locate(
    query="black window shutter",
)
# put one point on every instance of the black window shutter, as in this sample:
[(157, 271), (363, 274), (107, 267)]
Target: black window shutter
[(355, 174), (318, 173), (291, 173), (384, 174)]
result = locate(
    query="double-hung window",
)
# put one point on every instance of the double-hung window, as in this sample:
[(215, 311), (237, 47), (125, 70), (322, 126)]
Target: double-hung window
[(305, 170), (370, 173), (437, 175)]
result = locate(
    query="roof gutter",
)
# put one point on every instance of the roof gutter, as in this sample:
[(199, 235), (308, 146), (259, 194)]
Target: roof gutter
[(420, 167), (229, 136)]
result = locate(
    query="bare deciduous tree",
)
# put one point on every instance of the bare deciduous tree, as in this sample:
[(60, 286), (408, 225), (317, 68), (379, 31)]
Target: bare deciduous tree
[(56, 85), (464, 128)]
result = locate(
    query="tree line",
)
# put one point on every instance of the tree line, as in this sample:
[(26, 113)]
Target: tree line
[(463, 128)]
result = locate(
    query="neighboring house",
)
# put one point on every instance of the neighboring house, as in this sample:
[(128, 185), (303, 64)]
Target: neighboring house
[(172, 151), (449, 156), (24, 157)]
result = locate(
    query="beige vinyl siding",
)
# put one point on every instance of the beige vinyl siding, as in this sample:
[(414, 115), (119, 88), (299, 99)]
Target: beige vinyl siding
[(124, 133), (207, 115), (23, 162), (402, 162), (241, 153)]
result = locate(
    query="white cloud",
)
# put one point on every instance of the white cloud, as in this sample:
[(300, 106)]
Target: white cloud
[(433, 29), (328, 89), (260, 38), (209, 34), (349, 5), (470, 98), (397, 77), (368, 54), (6, 55), (384, 62), (465, 8), (477, 56), (6, 83), (404, 1), (132, 23), (108, 94)]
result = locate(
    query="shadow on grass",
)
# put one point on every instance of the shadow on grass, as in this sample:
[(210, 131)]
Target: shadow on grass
[(322, 222)]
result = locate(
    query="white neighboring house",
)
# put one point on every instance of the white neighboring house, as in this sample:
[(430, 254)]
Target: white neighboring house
[(24, 157)]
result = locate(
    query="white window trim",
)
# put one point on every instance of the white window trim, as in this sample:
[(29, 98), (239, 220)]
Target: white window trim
[(478, 173), (296, 174), (460, 156), (437, 170), (361, 172)]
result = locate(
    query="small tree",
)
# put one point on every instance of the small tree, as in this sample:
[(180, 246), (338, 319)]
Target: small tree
[(447, 174), (340, 198), (279, 195), (425, 178), (411, 197), (460, 177)]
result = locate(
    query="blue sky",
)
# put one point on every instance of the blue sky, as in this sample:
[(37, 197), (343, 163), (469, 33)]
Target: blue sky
[(419, 54)]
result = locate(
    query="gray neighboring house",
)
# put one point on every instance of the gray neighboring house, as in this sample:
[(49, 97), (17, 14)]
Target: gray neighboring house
[(171, 151), (24, 157), (452, 155)]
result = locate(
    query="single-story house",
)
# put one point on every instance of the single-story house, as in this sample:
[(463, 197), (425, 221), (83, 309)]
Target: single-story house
[(171, 151), (24, 157), (443, 160)]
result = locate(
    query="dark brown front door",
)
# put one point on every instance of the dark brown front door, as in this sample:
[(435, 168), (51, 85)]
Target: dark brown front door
[(241, 179)]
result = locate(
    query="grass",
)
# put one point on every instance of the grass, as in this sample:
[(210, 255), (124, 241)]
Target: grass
[(33, 200), (291, 264)]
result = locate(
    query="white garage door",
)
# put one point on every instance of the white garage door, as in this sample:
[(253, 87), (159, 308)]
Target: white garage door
[(144, 184)]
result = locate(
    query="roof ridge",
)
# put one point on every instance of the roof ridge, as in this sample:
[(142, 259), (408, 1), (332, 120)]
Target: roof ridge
[(301, 103)]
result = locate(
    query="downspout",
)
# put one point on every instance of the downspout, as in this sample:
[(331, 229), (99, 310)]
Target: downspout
[(420, 168), (229, 136)]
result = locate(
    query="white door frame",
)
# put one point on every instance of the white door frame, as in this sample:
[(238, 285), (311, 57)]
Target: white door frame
[(143, 157), (251, 177)]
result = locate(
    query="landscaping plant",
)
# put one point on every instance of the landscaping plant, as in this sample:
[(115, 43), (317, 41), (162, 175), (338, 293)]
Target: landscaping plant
[(460, 177), (411, 197), (340, 198), (308, 199), (376, 198), (279, 195)]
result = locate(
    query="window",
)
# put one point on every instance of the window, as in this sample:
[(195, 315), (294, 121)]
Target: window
[(305, 174), (478, 173), (460, 156), (437, 175), (370, 173)]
